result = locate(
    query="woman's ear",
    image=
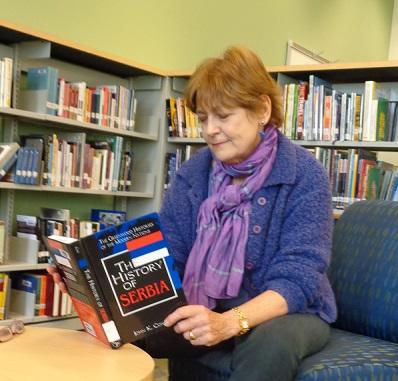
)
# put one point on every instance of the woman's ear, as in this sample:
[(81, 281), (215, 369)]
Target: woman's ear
[(265, 112)]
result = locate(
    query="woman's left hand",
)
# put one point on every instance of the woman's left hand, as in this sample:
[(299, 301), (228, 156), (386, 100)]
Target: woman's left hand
[(202, 326)]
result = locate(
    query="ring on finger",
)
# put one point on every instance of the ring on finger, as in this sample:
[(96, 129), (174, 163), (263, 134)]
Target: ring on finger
[(192, 336)]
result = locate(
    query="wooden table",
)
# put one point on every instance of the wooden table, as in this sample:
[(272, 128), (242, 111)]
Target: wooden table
[(63, 355)]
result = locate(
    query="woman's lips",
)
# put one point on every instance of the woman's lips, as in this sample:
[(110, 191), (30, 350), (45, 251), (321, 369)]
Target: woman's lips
[(218, 144)]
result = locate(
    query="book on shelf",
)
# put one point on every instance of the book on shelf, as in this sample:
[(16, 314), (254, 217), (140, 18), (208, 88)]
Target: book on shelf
[(2, 241), (5, 285), (181, 121), (27, 226), (107, 217), (36, 294), (121, 279), (87, 228), (6, 69), (41, 91), (8, 156)]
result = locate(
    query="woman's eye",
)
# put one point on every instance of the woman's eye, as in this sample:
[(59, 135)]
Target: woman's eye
[(224, 116), (202, 119)]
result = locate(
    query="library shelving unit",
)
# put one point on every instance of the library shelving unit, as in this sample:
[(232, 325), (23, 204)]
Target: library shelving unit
[(146, 139), (176, 86), (345, 77), (350, 78)]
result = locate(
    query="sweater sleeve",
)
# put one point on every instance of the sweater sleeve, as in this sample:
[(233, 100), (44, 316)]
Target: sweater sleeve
[(298, 270), (172, 218)]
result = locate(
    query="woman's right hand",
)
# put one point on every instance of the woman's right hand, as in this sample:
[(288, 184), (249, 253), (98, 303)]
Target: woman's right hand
[(52, 270)]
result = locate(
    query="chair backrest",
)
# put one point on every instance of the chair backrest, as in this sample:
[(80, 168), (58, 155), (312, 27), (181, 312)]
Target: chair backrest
[(364, 269)]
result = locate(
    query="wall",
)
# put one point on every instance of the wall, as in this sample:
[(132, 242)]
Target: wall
[(393, 48), (177, 34)]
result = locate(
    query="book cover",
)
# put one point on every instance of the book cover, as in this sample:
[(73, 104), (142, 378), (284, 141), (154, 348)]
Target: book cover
[(108, 218), (7, 153), (122, 279)]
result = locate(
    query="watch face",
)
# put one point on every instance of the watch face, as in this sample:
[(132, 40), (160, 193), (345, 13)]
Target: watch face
[(244, 324)]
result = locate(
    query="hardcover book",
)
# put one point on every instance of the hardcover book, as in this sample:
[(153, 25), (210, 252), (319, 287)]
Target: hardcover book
[(121, 279), (108, 218)]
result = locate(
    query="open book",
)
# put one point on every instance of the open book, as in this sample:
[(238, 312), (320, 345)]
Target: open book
[(121, 279)]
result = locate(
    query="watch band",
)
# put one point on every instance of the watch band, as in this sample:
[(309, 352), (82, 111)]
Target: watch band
[(243, 322)]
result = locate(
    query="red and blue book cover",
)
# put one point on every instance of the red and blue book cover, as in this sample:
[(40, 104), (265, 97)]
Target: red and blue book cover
[(130, 276)]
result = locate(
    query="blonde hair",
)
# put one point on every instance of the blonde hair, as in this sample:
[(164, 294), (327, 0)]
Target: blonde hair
[(236, 79)]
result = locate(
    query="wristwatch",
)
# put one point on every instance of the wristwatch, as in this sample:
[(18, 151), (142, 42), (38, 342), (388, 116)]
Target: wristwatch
[(243, 322)]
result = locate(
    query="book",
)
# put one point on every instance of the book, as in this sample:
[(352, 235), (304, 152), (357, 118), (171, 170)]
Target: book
[(24, 290), (2, 241), (7, 154), (4, 294), (121, 279), (108, 218), (41, 90)]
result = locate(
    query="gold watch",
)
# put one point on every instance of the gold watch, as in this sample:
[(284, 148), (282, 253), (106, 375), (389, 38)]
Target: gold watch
[(243, 322)]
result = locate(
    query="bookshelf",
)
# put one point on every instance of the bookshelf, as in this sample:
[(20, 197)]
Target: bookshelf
[(31, 49), (344, 77), (352, 79)]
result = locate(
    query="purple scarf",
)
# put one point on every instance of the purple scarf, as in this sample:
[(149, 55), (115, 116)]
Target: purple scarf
[(215, 266)]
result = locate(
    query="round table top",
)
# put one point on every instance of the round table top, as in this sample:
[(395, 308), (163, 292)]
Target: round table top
[(62, 355)]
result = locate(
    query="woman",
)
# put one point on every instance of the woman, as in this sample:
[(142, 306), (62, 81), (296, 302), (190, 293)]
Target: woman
[(248, 220)]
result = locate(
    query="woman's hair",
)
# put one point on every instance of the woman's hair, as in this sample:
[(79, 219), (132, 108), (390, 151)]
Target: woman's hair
[(236, 79)]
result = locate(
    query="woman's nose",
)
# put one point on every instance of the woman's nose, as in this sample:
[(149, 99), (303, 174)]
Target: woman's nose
[(212, 127)]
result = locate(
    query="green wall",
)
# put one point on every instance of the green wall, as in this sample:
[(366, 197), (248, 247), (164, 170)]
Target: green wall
[(177, 34)]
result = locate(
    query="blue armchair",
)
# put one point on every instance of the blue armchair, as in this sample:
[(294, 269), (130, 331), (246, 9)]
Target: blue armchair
[(364, 276)]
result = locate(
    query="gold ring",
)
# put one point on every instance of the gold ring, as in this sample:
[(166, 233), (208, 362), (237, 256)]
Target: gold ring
[(192, 336)]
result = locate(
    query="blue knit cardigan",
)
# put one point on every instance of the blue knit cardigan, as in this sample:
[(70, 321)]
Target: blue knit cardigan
[(290, 227)]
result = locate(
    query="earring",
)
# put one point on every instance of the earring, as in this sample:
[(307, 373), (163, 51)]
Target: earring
[(261, 123)]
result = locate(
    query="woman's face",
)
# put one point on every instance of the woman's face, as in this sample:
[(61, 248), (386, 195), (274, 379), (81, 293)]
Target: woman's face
[(231, 134)]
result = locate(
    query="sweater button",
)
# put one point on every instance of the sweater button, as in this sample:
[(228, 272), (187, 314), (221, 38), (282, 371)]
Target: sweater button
[(256, 229), (261, 201), (249, 266)]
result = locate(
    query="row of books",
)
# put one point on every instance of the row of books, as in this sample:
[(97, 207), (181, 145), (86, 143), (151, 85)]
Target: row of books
[(56, 221), (181, 121), (174, 161), (6, 67), (112, 106), (31, 294), (316, 111), (68, 160), (356, 174)]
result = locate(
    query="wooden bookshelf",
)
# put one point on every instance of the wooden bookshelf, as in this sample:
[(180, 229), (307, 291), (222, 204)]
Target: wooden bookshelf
[(30, 48)]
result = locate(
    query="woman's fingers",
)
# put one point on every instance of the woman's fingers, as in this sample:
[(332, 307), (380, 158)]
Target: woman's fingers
[(57, 278)]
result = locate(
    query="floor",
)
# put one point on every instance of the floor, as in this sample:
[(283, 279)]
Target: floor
[(161, 372)]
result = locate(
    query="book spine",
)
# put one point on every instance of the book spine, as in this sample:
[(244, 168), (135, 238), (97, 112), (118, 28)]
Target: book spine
[(102, 307)]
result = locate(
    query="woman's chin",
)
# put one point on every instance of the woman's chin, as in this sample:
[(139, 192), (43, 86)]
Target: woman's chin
[(226, 158)]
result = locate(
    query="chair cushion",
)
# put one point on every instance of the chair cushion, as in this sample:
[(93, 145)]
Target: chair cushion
[(349, 356), (364, 269)]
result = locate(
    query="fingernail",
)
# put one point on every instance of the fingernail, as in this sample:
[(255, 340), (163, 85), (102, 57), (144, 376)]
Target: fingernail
[(166, 323)]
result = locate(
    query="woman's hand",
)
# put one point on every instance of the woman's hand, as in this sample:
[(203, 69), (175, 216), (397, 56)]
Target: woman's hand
[(202, 326), (52, 270)]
